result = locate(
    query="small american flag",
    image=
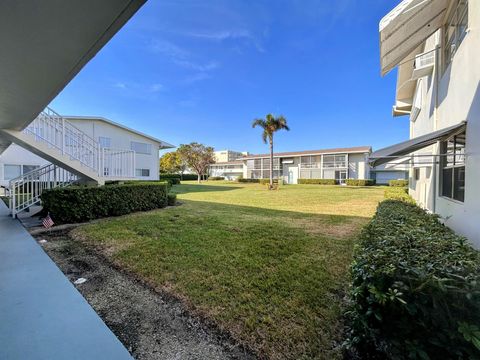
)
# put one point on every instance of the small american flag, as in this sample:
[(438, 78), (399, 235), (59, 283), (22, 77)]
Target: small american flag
[(47, 222)]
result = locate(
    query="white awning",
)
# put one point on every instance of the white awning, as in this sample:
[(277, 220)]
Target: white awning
[(406, 27)]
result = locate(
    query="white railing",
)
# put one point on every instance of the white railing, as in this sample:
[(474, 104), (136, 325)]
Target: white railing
[(56, 132), (117, 163), (52, 129), (26, 189)]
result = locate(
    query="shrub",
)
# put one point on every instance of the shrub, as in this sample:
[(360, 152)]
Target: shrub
[(246, 180), (398, 183), (416, 288), (318, 181), (178, 176), (360, 182), (215, 178), (82, 203), (396, 193), (171, 199)]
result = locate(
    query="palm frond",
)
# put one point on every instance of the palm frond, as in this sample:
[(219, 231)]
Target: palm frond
[(259, 122), (265, 135)]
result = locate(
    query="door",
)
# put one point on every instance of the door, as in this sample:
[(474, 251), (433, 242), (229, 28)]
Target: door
[(291, 174)]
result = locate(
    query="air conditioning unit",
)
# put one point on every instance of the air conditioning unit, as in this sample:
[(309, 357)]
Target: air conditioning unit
[(423, 65)]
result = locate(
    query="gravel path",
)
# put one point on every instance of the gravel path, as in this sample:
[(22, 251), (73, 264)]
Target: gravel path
[(150, 325)]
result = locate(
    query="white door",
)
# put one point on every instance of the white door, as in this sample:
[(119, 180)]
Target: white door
[(292, 174)]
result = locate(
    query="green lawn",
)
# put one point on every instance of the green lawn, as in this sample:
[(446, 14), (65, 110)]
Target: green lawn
[(271, 267)]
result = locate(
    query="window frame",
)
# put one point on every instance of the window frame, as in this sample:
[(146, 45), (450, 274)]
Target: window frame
[(148, 145), (141, 170), (454, 167), (456, 39)]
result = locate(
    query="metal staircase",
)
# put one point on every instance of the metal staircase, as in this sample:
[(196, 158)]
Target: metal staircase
[(75, 157)]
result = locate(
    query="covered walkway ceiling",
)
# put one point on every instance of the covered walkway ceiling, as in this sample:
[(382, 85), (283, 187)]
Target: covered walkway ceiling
[(44, 44), (406, 27)]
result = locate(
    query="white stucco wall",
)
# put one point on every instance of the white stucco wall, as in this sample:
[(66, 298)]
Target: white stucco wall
[(458, 100), (121, 139), (16, 155)]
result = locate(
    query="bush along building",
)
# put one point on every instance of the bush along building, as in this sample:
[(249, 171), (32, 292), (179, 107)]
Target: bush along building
[(435, 45)]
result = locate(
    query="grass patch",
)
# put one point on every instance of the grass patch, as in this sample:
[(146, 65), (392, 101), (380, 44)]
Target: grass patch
[(270, 267)]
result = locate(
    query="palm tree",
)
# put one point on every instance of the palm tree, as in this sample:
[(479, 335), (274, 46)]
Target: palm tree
[(270, 125)]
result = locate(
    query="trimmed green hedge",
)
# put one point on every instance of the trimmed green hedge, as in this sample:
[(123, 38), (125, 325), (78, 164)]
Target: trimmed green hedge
[(267, 181), (398, 183), (171, 199), (244, 180), (360, 182), (215, 178), (178, 176), (416, 288), (82, 203), (318, 181), (397, 193)]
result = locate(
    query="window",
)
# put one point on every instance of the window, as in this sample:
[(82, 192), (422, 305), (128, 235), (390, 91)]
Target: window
[(142, 172), (453, 168), (455, 30), (141, 148), (11, 171), (28, 168), (105, 142), (416, 173)]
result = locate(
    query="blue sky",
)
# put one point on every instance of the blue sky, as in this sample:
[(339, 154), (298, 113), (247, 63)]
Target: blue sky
[(202, 70)]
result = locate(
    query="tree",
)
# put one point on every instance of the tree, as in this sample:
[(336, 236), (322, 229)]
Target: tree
[(172, 163), (270, 125), (197, 156)]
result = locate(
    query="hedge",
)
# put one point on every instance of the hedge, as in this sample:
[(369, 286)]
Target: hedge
[(82, 203), (396, 193), (398, 183), (171, 199), (360, 182), (318, 181), (178, 176), (415, 288), (216, 178), (243, 180)]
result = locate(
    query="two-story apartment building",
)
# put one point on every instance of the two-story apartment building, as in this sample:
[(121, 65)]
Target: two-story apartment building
[(111, 136), (435, 45), (228, 155)]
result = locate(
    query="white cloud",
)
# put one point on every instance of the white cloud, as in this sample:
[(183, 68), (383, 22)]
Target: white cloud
[(120, 85), (197, 77)]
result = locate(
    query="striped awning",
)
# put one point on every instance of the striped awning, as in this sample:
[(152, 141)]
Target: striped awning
[(406, 27), (396, 151)]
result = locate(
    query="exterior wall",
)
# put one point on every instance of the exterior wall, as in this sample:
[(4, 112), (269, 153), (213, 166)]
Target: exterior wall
[(292, 168), (16, 155), (121, 139), (452, 95), (229, 172)]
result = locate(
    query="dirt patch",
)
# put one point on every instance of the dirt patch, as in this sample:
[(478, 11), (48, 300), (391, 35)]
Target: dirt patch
[(151, 325)]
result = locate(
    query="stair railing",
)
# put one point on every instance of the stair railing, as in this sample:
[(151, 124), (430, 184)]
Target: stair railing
[(26, 189)]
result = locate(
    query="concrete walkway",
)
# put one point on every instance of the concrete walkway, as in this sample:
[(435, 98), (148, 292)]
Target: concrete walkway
[(42, 315)]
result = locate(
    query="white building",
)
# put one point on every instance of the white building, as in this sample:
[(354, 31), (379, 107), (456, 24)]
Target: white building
[(339, 164), (16, 161), (228, 155), (436, 47), (230, 170)]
